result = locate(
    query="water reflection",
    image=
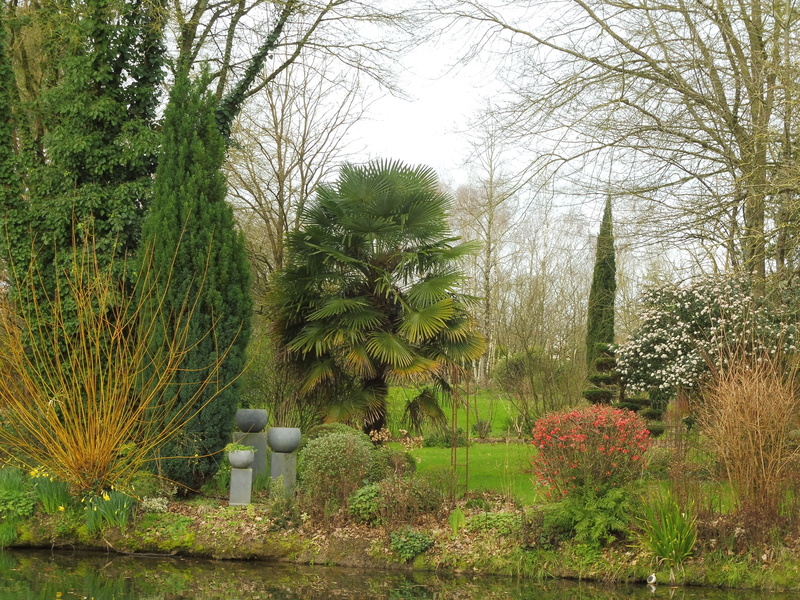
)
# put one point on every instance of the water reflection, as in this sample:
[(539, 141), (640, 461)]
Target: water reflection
[(43, 575)]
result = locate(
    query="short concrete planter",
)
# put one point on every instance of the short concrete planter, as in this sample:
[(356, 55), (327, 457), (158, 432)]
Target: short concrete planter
[(241, 459), (283, 465), (251, 420), (283, 439)]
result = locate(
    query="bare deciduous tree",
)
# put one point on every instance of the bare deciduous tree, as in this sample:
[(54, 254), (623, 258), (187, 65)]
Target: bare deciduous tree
[(693, 100), (290, 138)]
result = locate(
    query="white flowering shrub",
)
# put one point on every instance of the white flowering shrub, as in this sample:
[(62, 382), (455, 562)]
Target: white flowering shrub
[(687, 327)]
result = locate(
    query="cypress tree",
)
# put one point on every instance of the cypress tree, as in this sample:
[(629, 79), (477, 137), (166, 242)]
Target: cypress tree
[(600, 321), (191, 244)]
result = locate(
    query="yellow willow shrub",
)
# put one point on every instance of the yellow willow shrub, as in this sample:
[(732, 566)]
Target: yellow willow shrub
[(748, 413), (86, 376)]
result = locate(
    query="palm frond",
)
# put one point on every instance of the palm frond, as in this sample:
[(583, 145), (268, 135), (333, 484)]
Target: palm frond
[(320, 372), (424, 409), (434, 287), (359, 360), (390, 349), (336, 306), (427, 322)]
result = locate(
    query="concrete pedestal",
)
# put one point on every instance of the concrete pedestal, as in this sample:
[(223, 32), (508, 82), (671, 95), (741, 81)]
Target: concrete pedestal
[(284, 465), (259, 443), (241, 487)]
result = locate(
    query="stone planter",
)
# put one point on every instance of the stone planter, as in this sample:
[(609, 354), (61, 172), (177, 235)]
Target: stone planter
[(251, 420), (241, 459), (283, 439)]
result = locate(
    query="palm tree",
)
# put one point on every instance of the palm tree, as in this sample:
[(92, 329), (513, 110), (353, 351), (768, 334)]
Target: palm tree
[(369, 295)]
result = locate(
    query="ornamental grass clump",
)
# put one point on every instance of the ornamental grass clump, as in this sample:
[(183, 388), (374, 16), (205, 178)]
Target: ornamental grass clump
[(748, 415), (595, 448)]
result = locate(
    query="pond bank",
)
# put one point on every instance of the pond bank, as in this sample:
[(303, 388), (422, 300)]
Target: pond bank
[(215, 530)]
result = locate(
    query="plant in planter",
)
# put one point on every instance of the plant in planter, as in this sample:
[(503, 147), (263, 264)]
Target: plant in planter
[(239, 455)]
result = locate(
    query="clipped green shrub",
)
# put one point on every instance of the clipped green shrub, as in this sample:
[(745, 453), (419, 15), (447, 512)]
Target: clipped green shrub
[(330, 468), (603, 379), (656, 428), (652, 414), (408, 544), (329, 428), (599, 395)]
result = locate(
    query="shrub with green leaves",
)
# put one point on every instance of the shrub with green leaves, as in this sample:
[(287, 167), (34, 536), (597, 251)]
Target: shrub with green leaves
[(16, 503), (408, 544), (445, 439), (332, 467), (365, 505), (590, 518), (387, 462)]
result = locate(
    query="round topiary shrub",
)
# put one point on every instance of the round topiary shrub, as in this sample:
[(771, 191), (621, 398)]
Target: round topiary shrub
[(595, 448), (331, 468)]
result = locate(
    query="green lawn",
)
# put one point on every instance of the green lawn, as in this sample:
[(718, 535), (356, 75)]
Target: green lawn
[(484, 404), (503, 468)]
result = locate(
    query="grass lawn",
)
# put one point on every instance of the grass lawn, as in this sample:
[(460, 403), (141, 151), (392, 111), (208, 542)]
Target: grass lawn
[(503, 468), (486, 405)]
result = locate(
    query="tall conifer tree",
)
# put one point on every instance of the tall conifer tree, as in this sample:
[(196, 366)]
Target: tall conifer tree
[(600, 321), (192, 246)]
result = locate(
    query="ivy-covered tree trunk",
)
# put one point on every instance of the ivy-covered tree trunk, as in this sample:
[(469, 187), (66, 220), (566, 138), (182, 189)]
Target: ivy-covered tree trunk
[(9, 181), (600, 321), (191, 245), (90, 171)]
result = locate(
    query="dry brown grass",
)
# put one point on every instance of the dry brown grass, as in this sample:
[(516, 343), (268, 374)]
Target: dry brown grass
[(92, 399), (750, 408)]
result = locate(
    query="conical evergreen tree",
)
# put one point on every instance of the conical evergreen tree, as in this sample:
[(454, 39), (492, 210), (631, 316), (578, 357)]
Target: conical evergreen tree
[(192, 246), (600, 321)]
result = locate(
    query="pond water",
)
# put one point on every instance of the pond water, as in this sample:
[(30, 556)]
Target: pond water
[(33, 575)]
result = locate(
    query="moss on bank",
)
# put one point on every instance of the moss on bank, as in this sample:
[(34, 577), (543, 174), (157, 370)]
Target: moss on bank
[(222, 532)]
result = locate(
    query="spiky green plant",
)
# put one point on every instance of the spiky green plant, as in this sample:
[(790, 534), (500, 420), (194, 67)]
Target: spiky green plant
[(669, 531), (369, 296)]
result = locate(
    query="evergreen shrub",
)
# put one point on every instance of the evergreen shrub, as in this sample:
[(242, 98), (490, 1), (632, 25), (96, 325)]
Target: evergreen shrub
[(332, 467), (408, 544)]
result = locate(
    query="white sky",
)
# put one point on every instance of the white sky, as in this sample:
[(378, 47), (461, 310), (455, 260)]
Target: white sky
[(429, 128)]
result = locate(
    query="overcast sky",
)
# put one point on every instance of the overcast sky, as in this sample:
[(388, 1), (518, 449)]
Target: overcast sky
[(430, 127)]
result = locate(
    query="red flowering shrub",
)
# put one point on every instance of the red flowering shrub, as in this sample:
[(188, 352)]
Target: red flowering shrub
[(597, 447)]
